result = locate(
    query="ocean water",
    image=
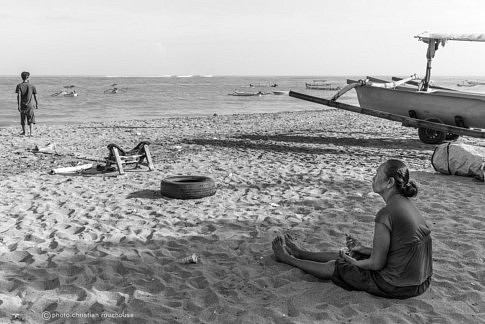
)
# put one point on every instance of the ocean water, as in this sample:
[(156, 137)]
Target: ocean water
[(170, 96)]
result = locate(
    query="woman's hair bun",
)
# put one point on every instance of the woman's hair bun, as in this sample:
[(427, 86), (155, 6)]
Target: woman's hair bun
[(410, 189)]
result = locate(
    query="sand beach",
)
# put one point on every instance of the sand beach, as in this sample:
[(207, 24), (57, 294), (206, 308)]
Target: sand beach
[(103, 247)]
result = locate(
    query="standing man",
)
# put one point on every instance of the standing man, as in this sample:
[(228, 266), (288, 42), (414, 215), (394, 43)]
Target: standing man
[(25, 91)]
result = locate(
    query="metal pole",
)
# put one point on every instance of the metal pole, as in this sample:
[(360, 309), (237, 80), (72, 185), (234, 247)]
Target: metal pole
[(429, 55)]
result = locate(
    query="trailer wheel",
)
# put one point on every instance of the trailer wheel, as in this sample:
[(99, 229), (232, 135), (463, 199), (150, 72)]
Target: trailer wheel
[(431, 136), (187, 187), (451, 137)]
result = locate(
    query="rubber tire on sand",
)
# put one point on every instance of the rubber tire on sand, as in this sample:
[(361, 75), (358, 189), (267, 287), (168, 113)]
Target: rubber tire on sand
[(187, 187)]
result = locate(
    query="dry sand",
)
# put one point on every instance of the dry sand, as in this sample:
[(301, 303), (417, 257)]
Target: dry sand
[(93, 243)]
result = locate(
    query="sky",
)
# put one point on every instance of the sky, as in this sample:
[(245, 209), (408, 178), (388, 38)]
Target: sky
[(250, 37)]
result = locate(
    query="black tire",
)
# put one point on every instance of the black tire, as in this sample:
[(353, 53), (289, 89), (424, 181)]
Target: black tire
[(431, 136), (451, 137), (187, 187)]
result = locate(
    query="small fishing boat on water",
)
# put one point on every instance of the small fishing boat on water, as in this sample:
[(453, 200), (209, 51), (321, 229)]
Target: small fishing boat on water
[(247, 94), (465, 84), (470, 83), (114, 89), (65, 92), (438, 113), (264, 84), (321, 85)]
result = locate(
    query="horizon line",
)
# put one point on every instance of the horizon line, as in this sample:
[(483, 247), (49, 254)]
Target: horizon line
[(223, 75)]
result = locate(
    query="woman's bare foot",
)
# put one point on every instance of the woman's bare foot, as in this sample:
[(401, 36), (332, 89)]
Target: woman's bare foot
[(279, 250), (291, 246)]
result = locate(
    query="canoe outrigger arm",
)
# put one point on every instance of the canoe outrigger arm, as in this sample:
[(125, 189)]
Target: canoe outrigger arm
[(387, 85)]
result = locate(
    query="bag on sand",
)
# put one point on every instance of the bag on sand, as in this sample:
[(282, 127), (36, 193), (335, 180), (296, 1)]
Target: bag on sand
[(459, 159)]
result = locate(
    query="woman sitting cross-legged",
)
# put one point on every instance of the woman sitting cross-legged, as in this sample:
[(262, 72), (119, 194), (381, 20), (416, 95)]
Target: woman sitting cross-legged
[(399, 265)]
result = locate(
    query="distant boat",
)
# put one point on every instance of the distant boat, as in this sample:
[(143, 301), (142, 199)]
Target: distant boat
[(59, 93), (321, 85), (262, 85), (66, 93), (281, 92), (465, 84), (468, 83), (115, 90), (247, 94)]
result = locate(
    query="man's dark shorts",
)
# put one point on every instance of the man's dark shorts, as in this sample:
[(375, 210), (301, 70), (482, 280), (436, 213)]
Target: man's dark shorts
[(351, 277), (27, 115)]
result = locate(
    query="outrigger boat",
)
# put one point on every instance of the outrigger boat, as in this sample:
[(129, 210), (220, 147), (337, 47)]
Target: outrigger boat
[(468, 83), (114, 90), (247, 94), (465, 84), (439, 113), (321, 85), (66, 93)]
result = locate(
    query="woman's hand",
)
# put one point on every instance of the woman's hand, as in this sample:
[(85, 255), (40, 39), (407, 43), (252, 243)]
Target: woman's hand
[(353, 244), (351, 241), (348, 258)]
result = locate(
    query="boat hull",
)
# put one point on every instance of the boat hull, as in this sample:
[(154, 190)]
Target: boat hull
[(440, 105)]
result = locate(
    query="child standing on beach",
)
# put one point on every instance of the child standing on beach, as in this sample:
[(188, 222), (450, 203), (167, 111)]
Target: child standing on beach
[(25, 91)]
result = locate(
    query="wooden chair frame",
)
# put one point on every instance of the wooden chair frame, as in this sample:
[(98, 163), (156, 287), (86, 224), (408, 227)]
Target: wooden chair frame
[(120, 158)]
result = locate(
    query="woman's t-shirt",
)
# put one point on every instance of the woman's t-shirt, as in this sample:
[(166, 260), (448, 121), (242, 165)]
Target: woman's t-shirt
[(409, 259)]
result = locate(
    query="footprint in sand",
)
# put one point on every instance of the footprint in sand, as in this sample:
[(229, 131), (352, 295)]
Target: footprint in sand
[(79, 230), (121, 269), (22, 256), (153, 286), (48, 284), (51, 307), (12, 247), (198, 282), (292, 308), (32, 238), (53, 245), (70, 270)]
